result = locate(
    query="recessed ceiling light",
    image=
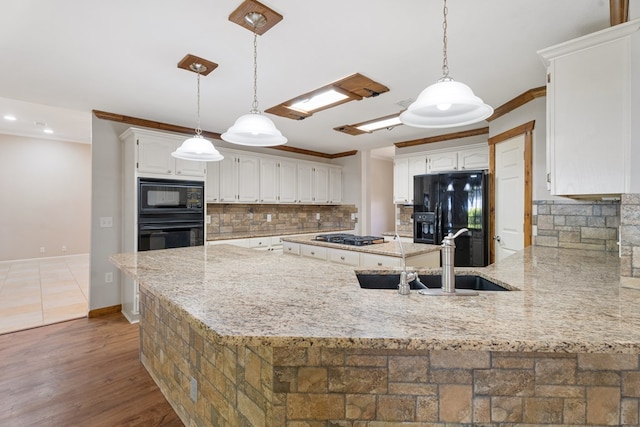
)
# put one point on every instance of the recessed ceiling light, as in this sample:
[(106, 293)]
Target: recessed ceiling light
[(386, 122), (10, 118), (380, 124), (316, 102), (352, 88), (49, 131)]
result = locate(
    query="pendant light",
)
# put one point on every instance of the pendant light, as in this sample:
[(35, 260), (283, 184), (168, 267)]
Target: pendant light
[(254, 129), (197, 148), (446, 103)]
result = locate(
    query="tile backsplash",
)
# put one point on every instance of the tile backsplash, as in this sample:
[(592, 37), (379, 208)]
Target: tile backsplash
[(245, 220), (630, 235), (590, 225)]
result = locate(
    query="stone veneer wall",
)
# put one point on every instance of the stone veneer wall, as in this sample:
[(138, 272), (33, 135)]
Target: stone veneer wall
[(331, 387), (231, 220), (591, 225), (630, 235), (404, 218)]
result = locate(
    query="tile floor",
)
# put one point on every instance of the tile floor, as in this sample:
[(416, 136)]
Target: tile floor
[(43, 291)]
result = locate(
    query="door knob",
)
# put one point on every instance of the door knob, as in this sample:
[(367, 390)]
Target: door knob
[(497, 239)]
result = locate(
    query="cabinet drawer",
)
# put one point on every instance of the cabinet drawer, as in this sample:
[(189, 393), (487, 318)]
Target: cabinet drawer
[(370, 260), (291, 248), (344, 257), (259, 242), (314, 252)]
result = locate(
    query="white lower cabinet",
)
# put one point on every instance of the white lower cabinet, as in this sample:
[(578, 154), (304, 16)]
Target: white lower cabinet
[(344, 257), (130, 299), (361, 259), (311, 251), (291, 248)]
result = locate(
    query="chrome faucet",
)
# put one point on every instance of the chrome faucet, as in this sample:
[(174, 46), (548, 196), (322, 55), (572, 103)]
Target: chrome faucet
[(405, 277), (448, 274)]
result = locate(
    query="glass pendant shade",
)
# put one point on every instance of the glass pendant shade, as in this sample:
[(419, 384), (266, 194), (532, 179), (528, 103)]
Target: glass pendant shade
[(446, 103), (255, 130), (199, 149)]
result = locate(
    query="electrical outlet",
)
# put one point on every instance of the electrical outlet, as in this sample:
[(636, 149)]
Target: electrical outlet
[(64, 248), (353, 217), (42, 249), (193, 390), (106, 222), (108, 277), (318, 216), (268, 217), (208, 219)]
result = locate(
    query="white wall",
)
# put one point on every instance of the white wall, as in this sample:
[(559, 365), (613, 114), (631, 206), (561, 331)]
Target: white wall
[(534, 110), (106, 201), (380, 185), (46, 192)]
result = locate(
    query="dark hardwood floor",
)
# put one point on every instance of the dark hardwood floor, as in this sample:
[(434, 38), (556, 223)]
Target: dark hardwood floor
[(83, 372)]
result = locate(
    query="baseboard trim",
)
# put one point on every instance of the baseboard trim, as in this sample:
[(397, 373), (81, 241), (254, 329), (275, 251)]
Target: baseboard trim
[(105, 310)]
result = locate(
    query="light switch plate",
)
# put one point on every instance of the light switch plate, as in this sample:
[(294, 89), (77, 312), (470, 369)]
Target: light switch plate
[(106, 221)]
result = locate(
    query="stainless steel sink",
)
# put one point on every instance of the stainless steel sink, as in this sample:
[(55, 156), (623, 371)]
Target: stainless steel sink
[(390, 281)]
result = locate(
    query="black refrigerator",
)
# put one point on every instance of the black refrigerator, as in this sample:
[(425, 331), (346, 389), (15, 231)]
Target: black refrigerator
[(445, 203)]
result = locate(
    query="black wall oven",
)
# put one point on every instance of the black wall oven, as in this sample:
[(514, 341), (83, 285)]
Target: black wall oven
[(170, 214)]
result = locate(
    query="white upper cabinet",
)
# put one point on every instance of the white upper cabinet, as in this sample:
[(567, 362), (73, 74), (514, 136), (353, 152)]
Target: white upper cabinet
[(154, 156), (590, 81), (212, 184), (269, 180), (335, 184), (313, 183), (239, 178), (287, 182), (475, 158), (404, 169), (320, 184)]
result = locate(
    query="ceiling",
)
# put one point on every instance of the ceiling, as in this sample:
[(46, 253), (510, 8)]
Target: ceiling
[(63, 58)]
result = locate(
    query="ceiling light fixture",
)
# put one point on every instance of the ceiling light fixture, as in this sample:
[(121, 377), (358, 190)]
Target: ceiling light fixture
[(197, 148), (10, 118), (48, 131), (254, 129), (446, 103), (384, 123), (319, 100)]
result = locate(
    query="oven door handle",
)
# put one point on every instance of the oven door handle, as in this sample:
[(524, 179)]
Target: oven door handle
[(170, 226)]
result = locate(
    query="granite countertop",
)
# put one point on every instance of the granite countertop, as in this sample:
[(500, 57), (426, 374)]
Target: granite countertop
[(391, 248), (279, 232), (568, 301)]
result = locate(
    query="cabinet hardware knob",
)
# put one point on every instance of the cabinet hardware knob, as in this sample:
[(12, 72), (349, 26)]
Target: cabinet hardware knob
[(379, 264), (313, 253), (342, 258)]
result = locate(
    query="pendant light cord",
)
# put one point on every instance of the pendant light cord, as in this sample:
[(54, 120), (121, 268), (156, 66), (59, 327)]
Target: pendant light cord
[(198, 129), (254, 106), (445, 61)]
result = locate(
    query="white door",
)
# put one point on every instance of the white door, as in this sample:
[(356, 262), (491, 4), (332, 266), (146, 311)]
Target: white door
[(509, 192)]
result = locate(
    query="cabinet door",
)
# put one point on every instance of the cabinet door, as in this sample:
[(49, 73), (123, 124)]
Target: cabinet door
[(588, 98), (320, 184), (371, 260), (335, 185), (305, 183), (228, 178), (269, 180), (154, 155), (287, 181), (188, 168), (443, 162), (417, 166), (474, 159), (342, 256), (248, 179), (401, 181), (212, 185)]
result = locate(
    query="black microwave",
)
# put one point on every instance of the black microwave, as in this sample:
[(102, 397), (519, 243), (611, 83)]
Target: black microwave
[(165, 196)]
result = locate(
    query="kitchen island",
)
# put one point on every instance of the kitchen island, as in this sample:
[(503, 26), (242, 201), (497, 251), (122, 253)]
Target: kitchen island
[(239, 337)]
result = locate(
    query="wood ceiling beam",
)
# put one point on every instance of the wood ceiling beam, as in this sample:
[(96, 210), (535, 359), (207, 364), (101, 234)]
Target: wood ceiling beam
[(619, 11), (445, 137), (151, 124)]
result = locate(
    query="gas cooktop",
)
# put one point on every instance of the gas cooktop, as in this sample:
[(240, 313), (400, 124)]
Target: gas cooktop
[(349, 239)]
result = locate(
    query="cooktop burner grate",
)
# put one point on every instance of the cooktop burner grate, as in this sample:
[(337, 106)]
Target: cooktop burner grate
[(349, 239)]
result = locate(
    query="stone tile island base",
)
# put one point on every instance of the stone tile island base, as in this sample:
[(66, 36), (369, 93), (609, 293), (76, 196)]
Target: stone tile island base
[(337, 387)]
